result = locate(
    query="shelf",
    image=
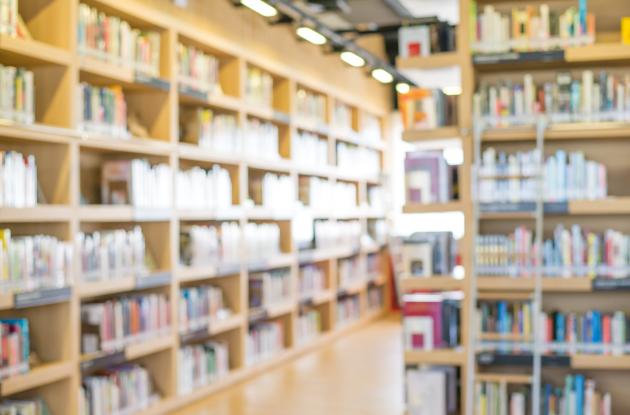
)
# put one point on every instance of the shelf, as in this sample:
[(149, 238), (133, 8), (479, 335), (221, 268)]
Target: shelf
[(440, 133), (354, 288), (38, 214), (598, 53), (599, 362), (270, 311), (277, 261), (312, 127), (549, 284), (38, 376), (190, 96), (195, 153), (95, 361), (267, 114), (100, 288), (435, 283), (228, 214), (504, 378), (159, 344), (434, 61), (141, 146), (24, 52), (610, 206), (263, 213), (559, 132), (356, 139), (217, 326), (507, 337), (187, 274), (317, 298), (100, 72), (454, 206), (436, 357), (34, 298), (122, 213)]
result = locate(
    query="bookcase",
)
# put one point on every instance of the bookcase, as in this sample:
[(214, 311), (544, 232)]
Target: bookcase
[(564, 291), (71, 156)]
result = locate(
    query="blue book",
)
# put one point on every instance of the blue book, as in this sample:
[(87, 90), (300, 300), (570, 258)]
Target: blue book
[(597, 327), (22, 325), (560, 327), (582, 11), (579, 394)]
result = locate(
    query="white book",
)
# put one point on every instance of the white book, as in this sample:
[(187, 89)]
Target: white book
[(418, 326), (426, 392)]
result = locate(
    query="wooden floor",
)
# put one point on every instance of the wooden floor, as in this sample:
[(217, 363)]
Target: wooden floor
[(360, 374)]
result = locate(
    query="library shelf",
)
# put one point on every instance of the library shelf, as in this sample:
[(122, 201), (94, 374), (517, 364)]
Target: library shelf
[(434, 283), (188, 274), (228, 214), (598, 53), (279, 309), (156, 344), (321, 129), (38, 376), (27, 52), (262, 213), (356, 139), (433, 61), (276, 261), (560, 132), (549, 284), (133, 145), (221, 101), (600, 362), (317, 298), (122, 213), (348, 176), (153, 346), (433, 134), (97, 71), (453, 206), (505, 295), (319, 171), (278, 165), (194, 152), (107, 287), (509, 378), (609, 206), (354, 288), (35, 297), (36, 214), (507, 215), (267, 114), (455, 357), (511, 337), (218, 326)]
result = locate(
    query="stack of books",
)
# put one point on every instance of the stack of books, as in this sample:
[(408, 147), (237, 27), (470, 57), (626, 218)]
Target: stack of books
[(103, 111), (310, 107), (15, 338), (201, 364), (261, 139), (259, 87), (113, 40), (431, 321), (17, 103), (111, 254), (433, 390), (425, 109), (312, 280), (201, 245), (34, 262), (528, 29), (197, 70), (273, 191), (503, 318), (429, 178), (199, 306), (199, 188), (358, 161), (426, 39), (427, 254), (348, 310), (210, 130), (269, 288), (114, 324), (338, 235), (136, 182), (264, 341), (125, 389), (309, 150), (262, 240), (308, 326), (350, 272), (25, 406), (18, 180)]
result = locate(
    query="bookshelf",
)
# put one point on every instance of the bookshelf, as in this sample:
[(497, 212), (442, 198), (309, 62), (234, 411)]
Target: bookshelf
[(69, 174)]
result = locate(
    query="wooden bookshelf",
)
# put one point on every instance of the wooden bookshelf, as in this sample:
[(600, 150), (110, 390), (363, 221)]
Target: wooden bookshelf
[(436, 357), (436, 283), (433, 134), (454, 206), (438, 60)]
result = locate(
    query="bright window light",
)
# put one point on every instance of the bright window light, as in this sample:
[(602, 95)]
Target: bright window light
[(352, 59), (382, 76), (403, 88), (311, 35), (452, 90), (261, 7)]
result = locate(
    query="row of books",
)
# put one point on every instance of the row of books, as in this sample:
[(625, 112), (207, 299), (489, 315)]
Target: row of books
[(376, 198), (308, 326), (210, 130), (18, 180), (103, 110), (197, 69), (10, 20), (427, 254), (423, 109), (262, 240), (433, 390), (259, 86), (113, 324), (374, 264), (320, 192), (199, 188), (431, 321), (358, 161), (17, 102), (426, 39), (531, 29), (136, 182), (312, 280), (269, 288), (264, 341), (112, 39), (199, 305), (24, 407), (513, 178), (273, 191), (335, 235), (32, 262), (566, 99), (343, 119), (309, 149), (123, 389), (350, 272), (201, 245), (578, 395), (505, 318), (15, 348), (429, 178), (261, 139), (201, 364), (571, 252), (371, 128), (310, 107), (375, 298), (111, 254), (348, 310)]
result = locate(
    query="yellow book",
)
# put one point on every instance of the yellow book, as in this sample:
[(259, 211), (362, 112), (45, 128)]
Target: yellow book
[(625, 30)]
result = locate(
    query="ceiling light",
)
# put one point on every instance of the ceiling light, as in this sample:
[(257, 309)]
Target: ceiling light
[(452, 90), (403, 88), (382, 76), (261, 7), (352, 59), (311, 35)]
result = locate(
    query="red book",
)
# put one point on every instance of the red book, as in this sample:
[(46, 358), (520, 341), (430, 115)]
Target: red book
[(430, 309), (607, 329)]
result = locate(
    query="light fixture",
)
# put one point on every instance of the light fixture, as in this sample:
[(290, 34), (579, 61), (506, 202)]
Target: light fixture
[(261, 7), (352, 59), (452, 90), (403, 88), (382, 76), (311, 35)]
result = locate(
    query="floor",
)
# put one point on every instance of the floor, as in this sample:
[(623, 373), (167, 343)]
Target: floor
[(360, 374)]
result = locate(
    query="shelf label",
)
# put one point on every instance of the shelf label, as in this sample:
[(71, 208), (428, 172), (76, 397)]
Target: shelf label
[(556, 207), (42, 297), (158, 279), (193, 93), (518, 57), (610, 284), (507, 359), (152, 81), (104, 362), (516, 207)]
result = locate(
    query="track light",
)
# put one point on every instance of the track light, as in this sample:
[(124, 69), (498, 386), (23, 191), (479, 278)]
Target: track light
[(382, 76), (311, 35), (352, 59), (403, 88), (452, 90), (261, 7)]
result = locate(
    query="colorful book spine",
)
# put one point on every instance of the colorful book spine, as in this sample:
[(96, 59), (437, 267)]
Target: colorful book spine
[(199, 306), (14, 347), (259, 86), (425, 109), (198, 70), (18, 180), (308, 326), (262, 240), (495, 398), (207, 129), (426, 39), (202, 246), (269, 288), (335, 235), (111, 254), (264, 340), (104, 110), (310, 107), (114, 324), (261, 139), (507, 320), (33, 262), (17, 102), (312, 280), (201, 364), (198, 188)]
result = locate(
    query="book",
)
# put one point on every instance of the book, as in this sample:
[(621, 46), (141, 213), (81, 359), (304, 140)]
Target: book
[(201, 364), (311, 281), (198, 70), (15, 347), (212, 245), (343, 119), (273, 191), (264, 340), (9, 18), (200, 305), (269, 288), (350, 273), (103, 110), (18, 180), (262, 240), (17, 103), (199, 188), (309, 150), (210, 130), (308, 326), (310, 107), (511, 320), (34, 406), (502, 398), (375, 298), (261, 139), (431, 321), (432, 390), (358, 161), (348, 310), (425, 109), (259, 86), (427, 254), (136, 182), (337, 235), (429, 178), (426, 39)]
